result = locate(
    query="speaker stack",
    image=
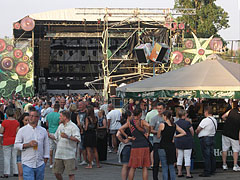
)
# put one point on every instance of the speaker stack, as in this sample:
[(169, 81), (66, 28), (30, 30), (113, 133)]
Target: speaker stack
[(44, 53)]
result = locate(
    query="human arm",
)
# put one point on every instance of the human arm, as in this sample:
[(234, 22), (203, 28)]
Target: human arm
[(225, 115), (147, 126), (108, 123), (70, 137), (104, 124), (1, 130), (198, 130), (46, 149), (78, 121), (119, 136), (160, 129), (122, 130), (181, 132), (191, 130), (86, 124), (20, 144)]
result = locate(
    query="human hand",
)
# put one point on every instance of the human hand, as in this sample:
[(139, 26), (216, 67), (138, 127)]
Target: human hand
[(146, 135), (125, 141), (63, 135), (131, 138), (33, 143)]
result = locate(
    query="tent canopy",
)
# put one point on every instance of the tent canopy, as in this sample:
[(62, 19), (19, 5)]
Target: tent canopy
[(213, 74)]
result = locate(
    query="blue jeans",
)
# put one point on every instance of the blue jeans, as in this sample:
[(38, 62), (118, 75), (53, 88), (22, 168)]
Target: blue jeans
[(165, 166), (207, 146), (33, 173), (155, 161)]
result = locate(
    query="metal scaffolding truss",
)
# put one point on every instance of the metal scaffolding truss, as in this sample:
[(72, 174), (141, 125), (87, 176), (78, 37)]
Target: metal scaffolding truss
[(134, 22)]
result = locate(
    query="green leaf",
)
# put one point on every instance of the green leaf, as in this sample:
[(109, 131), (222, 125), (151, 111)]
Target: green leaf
[(3, 84), (19, 88), (14, 76), (28, 83)]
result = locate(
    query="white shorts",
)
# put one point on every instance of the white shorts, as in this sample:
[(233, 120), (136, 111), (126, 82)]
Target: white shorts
[(52, 144), (227, 142)]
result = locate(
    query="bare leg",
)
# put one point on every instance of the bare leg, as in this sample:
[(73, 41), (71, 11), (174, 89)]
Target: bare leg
[(224, 157), (188, 171), (151, 156), (71, 177), (114, 142), (89, 154), (84, 152), (96, 157), (235, 157), (131, 173), (20, 171), (80, 155), (145, 173), (59, 176), (125, 171), (179, 168), (51, 157)]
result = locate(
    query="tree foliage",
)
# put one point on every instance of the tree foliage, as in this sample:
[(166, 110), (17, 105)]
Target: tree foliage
[(209, 18)]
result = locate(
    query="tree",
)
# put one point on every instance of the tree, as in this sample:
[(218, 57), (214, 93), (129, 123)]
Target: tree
[(209, 18)]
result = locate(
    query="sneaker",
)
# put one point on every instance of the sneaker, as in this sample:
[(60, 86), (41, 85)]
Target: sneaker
[(51, 166), (83, 163), (110, 151), (236, 168), (225, 167)]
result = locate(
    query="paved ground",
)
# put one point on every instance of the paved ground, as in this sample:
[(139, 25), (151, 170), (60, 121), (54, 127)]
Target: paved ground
[(111, 170)]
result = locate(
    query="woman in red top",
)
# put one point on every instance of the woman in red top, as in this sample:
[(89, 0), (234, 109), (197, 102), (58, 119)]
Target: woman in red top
[(9, 130)]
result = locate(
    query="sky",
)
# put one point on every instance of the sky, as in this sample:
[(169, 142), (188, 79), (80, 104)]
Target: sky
[(14, 10)]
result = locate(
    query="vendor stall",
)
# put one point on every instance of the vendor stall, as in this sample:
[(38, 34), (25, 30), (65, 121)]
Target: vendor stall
[(213, 78)]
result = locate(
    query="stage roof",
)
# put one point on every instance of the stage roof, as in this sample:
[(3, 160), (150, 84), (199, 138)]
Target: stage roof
[(93, 14)]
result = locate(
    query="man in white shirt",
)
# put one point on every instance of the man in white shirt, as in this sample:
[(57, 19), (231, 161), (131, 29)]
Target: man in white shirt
[(32, 140), (44, 112), (105, 106), (67, 137), (206, 132), (62, 103), (113, 118)]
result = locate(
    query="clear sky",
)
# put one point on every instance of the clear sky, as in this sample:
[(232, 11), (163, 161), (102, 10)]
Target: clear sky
[(14, 10)]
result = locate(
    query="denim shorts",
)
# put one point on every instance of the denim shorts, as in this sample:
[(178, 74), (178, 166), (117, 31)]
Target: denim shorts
[(126, 154), (19, 159)]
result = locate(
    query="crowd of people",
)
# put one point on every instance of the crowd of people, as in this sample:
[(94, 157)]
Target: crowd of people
[(146, 134)]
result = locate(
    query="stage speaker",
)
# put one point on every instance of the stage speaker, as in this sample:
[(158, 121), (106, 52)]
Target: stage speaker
[(44, 53), (162, 53), (113, 90), (158, 52), (143, 52)]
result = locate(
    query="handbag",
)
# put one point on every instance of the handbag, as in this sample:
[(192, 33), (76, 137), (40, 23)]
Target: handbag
[(149, 143), (101, 133)]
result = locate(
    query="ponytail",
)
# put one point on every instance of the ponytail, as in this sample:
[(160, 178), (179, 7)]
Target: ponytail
[(169, 116)]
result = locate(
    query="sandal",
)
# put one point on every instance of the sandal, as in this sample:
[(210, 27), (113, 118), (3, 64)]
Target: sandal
[(88, 167), (189, 176), (180, 175)]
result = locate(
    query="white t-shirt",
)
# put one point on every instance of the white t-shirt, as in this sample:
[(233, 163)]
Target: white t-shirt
[(208, 128), (115, 117)]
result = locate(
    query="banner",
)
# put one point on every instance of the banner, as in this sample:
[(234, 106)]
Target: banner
[(181, 94), (16, 68)]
